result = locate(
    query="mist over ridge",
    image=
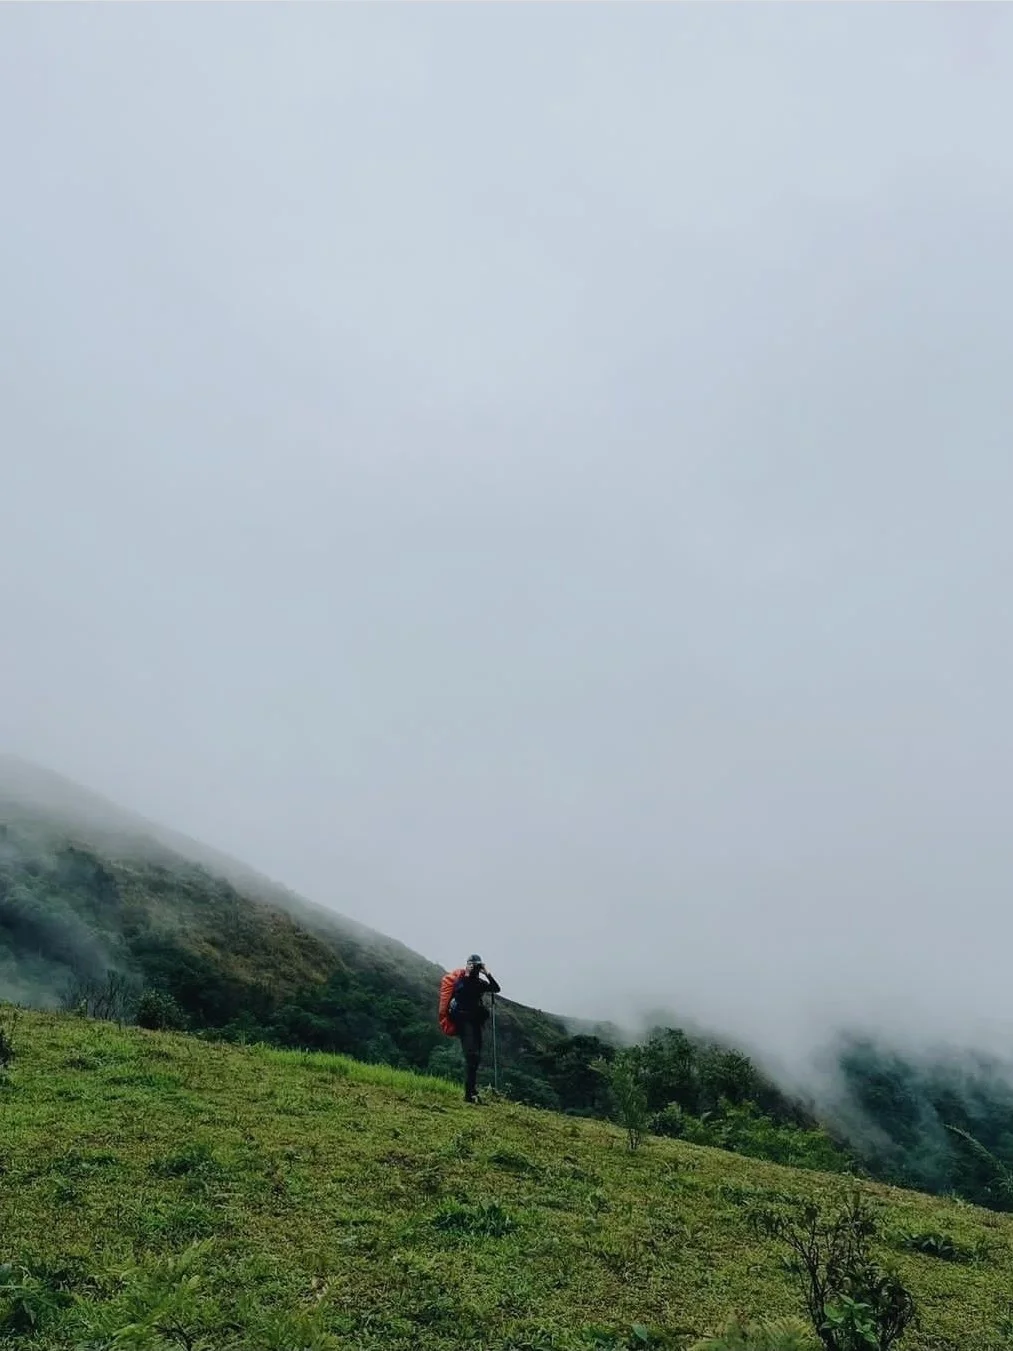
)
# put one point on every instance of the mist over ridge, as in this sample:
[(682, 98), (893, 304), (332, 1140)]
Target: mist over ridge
[(571, 528)]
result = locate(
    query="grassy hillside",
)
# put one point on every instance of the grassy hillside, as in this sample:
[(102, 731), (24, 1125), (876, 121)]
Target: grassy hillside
[(100, 907), (87, 889), (90, 850), (157, 1192)]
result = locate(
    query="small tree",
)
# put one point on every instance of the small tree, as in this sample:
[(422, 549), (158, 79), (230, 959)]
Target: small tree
[(854, 1304), (726, 1076), (624, 1077), (159, 1012), (111, 999)]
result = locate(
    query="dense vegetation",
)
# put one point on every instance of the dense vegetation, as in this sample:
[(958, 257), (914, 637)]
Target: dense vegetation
[(916, 1116), (131, 930), (160, 1192), (166, 942)]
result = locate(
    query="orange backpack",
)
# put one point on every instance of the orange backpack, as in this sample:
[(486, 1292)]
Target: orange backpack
[(446, 995)]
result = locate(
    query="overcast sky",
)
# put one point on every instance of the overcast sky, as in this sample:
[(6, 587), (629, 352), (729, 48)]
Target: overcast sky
[(537, 479)]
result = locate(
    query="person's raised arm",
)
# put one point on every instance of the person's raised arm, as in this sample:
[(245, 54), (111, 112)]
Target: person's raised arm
[(494, 986)]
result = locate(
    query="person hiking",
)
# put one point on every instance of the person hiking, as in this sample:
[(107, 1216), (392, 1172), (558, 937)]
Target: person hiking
[(470, 1016)]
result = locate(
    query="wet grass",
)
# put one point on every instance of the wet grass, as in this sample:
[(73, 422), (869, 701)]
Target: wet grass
[(160, 1192)]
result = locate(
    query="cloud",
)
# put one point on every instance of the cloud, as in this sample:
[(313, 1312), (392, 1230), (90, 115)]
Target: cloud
[(533, 480)]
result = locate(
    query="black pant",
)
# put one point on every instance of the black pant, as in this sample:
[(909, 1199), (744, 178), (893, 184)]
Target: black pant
[(470, 1032)]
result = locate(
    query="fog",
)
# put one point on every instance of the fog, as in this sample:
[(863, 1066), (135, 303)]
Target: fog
[(535, 479)]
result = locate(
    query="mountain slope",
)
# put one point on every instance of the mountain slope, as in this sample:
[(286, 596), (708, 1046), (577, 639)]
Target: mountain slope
[(53, 809), (87, 889), (335, 1205)]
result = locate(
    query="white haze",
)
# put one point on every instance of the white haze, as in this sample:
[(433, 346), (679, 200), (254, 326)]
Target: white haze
[(535, 479)]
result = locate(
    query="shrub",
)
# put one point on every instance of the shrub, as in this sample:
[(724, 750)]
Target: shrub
[(736, 1336), (744, 1129), (853, 1303), (670, 1121), (159, 1012), (160, 1302), (28, 1298), (110, 999), (446, 1062), (8, 1025), (934, 1243), (529, 1089), (624, 1077)]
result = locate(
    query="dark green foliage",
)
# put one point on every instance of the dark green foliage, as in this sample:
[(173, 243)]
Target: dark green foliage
[(705, 1077), (628, 1091), (738, 1336), (197, 1158), (570, 1072), (744, 1129), (280, 1184), (514, 1162), (995, 1177), (671, 1069), (48, 910), (112, 997), (208, 993), (159, 1012), (639, 1337), (933, 1243), (78, 1164), (853, 1302), (726, 1076), (30, 1297), (486, 1219), (940, 1126), (173, 946), (165, 941), (446, 1061), (353, 1013), (8, 1026), (530, 1089), (671, 1121)]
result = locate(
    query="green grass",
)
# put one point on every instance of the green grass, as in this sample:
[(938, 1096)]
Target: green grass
[(344, 1067), (157, 1191)]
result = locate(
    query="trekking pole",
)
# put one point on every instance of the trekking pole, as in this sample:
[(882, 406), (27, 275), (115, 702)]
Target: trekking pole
[(495, 1053)]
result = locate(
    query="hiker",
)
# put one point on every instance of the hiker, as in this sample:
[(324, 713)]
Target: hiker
[(469, 1016)]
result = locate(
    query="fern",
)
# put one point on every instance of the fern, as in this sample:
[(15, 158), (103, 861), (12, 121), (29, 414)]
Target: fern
[(788, 1335), (1001, 1174)]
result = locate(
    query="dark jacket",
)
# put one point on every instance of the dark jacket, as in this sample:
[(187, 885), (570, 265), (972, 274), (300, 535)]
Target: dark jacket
[(466, 1001)]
